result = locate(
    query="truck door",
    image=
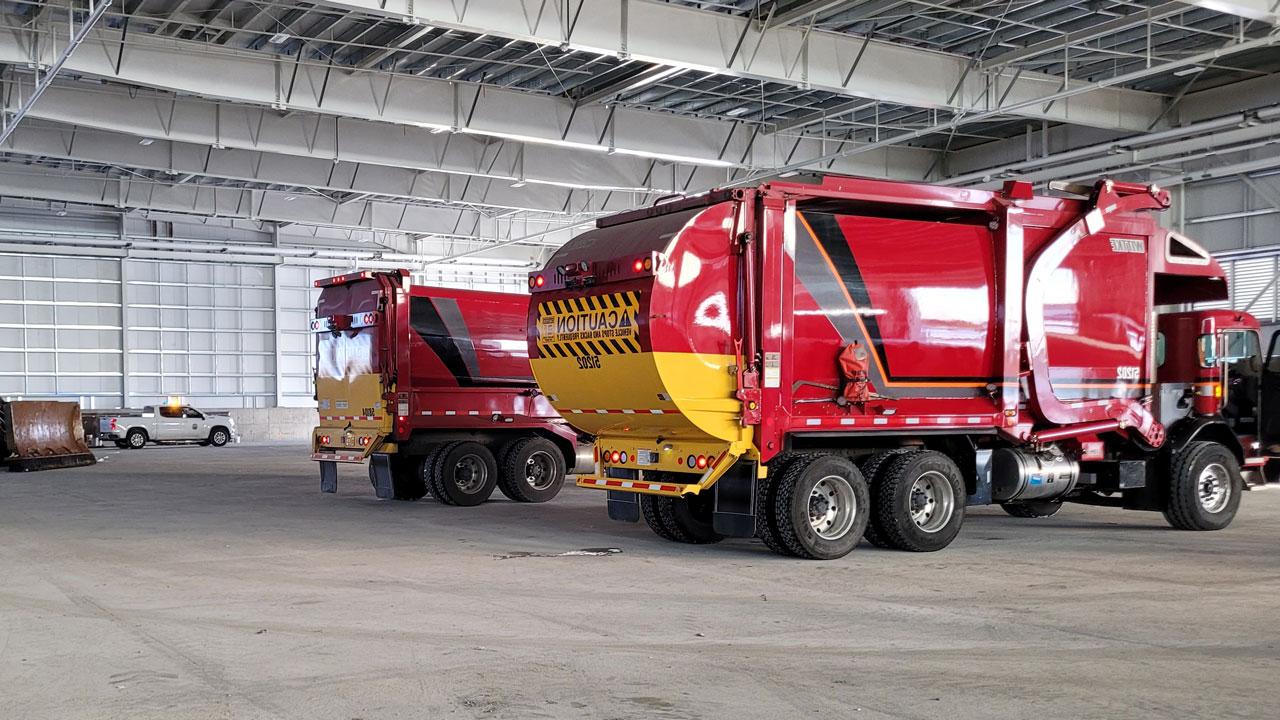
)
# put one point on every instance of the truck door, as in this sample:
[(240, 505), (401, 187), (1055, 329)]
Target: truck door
[(1269, 406), (1241, 358), (192, 424), (170, 423)]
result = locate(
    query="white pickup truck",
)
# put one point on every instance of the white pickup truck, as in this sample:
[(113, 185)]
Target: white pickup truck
[(167, 424)]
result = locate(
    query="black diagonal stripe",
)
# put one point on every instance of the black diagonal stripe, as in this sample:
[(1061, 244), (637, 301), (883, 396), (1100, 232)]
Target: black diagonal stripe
[(618, 346), (831, 237), (425, 320)]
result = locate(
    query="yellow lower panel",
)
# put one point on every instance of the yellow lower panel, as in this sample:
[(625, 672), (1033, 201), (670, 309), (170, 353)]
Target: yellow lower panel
[(684, 396)]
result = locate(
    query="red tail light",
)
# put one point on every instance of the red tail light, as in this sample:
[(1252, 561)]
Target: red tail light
[(702, 461), (324, 440), (538, 281), (616, 456), (113, 424), (639, 265)]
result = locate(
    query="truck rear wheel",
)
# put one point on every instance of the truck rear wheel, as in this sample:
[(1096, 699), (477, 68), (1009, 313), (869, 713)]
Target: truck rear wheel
[(532, 470), (682, 519), (820, 507), (135, 439), (1034, 509), (919, 502), (1204, 487), (765, 528), (649, 509), (871, 470), (464, 473)]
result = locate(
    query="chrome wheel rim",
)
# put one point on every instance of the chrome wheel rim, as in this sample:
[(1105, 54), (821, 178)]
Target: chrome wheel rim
[(832, 507), (219, 437), (932, 501), (539, 470), (137, 441), (1214, 488), (470, 474)]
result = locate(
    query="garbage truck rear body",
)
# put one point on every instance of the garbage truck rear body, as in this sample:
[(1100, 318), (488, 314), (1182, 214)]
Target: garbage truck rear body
[(431, 388), (803, 360)]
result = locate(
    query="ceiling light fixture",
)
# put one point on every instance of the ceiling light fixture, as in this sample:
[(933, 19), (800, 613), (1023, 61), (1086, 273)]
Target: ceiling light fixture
[(145, 142), (1189, 70), (279, 38)]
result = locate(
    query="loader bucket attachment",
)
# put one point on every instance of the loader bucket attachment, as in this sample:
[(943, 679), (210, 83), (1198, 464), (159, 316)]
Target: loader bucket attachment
[(42, 435)]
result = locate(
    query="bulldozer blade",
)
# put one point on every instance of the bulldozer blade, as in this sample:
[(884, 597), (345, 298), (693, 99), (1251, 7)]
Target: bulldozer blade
[(42, 435)]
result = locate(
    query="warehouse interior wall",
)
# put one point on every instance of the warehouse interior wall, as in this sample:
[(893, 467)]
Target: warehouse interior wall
[(114, 328)]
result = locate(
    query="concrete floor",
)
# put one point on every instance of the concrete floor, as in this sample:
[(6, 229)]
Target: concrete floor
[(206, 583)]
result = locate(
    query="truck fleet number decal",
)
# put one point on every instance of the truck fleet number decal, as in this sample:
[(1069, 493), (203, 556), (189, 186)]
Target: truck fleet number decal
[(588, 327), (1127, 245)]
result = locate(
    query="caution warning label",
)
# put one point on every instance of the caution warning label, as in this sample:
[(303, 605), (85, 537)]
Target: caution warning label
[(591, 325)]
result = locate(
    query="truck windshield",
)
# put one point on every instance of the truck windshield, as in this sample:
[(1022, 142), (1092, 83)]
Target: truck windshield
[(1234, 345)]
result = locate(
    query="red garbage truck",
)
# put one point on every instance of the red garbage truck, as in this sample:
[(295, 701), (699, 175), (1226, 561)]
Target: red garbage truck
[(814, 359), (431, 388)]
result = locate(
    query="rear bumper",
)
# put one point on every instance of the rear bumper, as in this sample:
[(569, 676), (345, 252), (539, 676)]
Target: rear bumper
[(663, 472), (355, 457), (638, 486)]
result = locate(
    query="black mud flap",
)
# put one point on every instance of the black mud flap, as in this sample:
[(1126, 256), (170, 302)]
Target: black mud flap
[(380, 474), (735, 513), (623, 506), (328, 476)]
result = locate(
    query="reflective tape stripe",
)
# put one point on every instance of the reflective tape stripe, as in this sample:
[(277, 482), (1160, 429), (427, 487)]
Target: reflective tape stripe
[(350, 417), (635, 485), (337, 457)]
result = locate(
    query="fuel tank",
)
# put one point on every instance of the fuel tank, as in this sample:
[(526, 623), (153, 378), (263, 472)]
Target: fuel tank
[(633, 327)]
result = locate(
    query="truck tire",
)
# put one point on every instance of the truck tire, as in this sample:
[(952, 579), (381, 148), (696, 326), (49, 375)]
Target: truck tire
[(766, 530), (531, 470), (426, 471), (122, 444), (919, 502), (1204, 487), (683, 519), (464, 473), (820, 507), (871, 469), (652, 518), (135, 439), (1033, 509), (219, 436)]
